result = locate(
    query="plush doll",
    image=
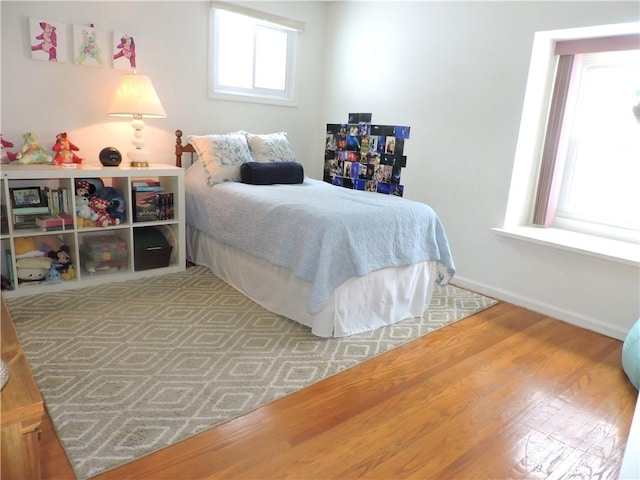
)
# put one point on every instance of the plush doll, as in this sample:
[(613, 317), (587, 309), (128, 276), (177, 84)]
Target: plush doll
[(52, 276), (6, 156), (32, 151), (100, 206), (64, 150), (33, 269), (26, 247), (62, 262), (84, 214), (116, 208)]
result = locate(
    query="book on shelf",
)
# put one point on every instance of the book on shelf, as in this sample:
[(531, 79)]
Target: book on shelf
[(24, 221), (58, 200), (144, 182), (164, 206), (10, 276), (24, 211), (48, 223), (150, 206)]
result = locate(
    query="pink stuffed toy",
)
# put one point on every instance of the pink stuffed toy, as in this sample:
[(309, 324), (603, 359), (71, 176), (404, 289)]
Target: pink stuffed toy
[(100, 205), (6, 155), (64, 150)]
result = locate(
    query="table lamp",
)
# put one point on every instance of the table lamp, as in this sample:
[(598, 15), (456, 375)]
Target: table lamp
[(135, 97)]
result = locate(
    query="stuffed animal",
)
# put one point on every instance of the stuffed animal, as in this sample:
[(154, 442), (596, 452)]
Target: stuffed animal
[(84, 214), (100, 206), (117, 208), (33, 269), (32, 151), (64, 150), (6, 156), (62, 262), (52, 276), (26, 247)]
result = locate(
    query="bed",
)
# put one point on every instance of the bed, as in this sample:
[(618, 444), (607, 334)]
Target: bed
[(339, 261)]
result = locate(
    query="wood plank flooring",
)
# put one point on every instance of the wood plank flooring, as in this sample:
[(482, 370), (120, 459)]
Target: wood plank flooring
[(506, 393)]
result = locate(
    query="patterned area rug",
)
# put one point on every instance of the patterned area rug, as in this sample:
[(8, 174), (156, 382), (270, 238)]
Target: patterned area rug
[(132, 367)]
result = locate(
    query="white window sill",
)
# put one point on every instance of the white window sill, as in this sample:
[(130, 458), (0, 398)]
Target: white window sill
[(614, 250)]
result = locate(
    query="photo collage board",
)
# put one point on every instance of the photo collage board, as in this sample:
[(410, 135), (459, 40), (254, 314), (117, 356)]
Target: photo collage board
[(363, 156)]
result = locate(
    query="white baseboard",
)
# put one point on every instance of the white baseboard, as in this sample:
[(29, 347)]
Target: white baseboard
[(544, 308)]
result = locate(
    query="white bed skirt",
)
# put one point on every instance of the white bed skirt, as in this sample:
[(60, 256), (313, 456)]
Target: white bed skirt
[(360, 304)]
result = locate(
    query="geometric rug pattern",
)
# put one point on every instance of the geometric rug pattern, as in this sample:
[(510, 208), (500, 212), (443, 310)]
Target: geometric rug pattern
[(131, 367)]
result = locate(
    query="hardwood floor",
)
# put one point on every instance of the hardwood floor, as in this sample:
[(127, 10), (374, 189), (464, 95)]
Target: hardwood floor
[(506, 393)]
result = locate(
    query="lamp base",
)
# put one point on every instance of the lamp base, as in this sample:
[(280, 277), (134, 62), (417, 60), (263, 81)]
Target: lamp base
[(138, 164), (139, 157)]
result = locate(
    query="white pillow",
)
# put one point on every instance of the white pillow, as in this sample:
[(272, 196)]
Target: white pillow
[(222, 155), (271, 147)]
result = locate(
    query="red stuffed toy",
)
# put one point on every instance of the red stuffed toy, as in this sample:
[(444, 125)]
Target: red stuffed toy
[(100, 205), (7, 156), (64, 150)]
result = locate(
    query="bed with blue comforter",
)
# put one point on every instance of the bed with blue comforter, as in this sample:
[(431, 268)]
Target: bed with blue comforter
[(324, 236)]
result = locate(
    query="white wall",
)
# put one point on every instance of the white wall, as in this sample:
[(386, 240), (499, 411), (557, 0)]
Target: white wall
[(49, 98), (456, 73)]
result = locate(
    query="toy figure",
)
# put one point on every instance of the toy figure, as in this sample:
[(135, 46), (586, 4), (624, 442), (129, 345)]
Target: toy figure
[(62, 262), (49, 41), (100, 205), (64, 150), (32, 151), (7, 156)]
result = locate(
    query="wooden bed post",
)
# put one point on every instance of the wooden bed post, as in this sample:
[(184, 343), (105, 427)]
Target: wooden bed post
[(178, 148)]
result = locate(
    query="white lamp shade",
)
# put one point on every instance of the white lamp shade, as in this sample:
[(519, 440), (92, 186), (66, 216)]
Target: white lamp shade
[(135, 95)]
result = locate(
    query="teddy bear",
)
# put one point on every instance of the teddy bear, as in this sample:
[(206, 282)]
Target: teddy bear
[(62, 262), (100, 206), (85, 216), (6, 156), (32, 151), (64, 150)]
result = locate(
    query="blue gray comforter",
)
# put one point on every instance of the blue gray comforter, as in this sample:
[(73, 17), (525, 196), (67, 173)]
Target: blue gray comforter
[(323, 233)]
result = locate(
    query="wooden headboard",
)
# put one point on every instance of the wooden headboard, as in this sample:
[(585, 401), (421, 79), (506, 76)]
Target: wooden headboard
[(180, 149)]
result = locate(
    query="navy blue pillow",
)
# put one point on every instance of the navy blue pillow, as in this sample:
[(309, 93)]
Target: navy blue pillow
[(257, 173)]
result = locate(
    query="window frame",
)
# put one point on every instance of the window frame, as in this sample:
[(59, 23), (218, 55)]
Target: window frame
[(518, 219), (292, 28)]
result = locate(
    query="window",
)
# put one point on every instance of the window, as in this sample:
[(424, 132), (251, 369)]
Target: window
[(577, 161), (590, 165), (253, 55), (599, 190)]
